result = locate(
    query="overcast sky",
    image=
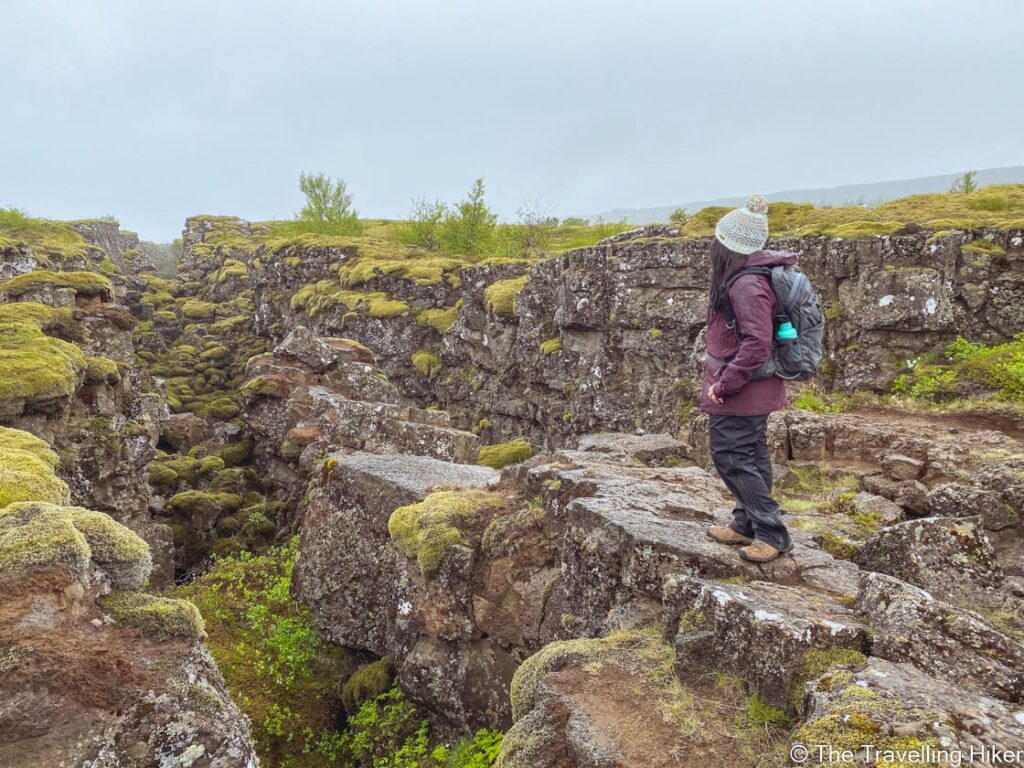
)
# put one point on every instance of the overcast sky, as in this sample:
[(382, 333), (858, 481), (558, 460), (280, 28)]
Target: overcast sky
[(152, 111)]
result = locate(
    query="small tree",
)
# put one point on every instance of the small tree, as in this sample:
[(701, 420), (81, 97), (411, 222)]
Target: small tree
[(529, 237), (468, 228), (574, 221), (966, 184), (328, 208), (423, 227), (679, 216)]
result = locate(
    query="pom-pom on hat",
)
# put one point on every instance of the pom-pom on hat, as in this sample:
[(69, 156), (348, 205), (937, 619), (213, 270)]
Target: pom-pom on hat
[(745, 230)]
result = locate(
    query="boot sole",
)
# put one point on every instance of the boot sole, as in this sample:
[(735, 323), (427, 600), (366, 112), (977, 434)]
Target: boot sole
[(761, 560)]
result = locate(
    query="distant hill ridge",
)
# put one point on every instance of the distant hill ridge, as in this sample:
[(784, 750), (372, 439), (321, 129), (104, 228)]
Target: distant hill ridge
[(849, 194)]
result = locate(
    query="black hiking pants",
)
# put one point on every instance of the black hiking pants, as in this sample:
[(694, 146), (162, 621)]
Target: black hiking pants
[(739, 448)]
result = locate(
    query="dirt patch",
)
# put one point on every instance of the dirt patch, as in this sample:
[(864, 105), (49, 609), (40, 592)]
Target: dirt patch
[(619, 703)]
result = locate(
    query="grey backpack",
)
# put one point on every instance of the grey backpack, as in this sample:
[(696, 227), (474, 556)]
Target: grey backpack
[(796, 302)]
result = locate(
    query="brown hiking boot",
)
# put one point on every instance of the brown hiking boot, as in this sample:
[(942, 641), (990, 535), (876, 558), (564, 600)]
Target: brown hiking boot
[(723, 534), (762, 552)]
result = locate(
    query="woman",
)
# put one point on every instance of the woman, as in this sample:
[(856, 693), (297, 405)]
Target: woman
[(739, 340)]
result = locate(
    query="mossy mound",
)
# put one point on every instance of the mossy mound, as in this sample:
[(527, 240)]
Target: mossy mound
[(101, 370), (27, 470), (36, 535), (34, 366), (427, 531), (439, 319), (204, 504), (158, 617), (502, 454), (83, 283), (551, 346), (193, 309), (500, 296), (426, 363), (368, 682)]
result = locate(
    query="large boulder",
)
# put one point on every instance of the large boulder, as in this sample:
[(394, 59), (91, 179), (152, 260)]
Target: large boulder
[(910, 625), (949, 557)]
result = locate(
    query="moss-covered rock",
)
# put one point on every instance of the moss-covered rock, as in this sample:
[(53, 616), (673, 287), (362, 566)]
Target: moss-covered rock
[(27, 470), (83, 283), (426, 363), (368, 682), (36, 535), (427, 531), (502, 454), (101, 370), (500, 296), (158, 617), (33, 365)]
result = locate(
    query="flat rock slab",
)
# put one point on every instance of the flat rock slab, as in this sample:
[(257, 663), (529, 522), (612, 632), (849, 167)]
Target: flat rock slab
[(629, 527), (416, 475), (652, 450)]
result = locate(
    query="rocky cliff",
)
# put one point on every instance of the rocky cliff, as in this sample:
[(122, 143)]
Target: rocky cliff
[(424, 500)]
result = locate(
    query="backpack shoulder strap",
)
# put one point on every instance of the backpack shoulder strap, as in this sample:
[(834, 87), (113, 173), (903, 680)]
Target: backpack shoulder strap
[(761, 270)]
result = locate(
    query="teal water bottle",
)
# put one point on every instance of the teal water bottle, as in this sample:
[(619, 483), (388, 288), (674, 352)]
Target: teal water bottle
[(786, 331)]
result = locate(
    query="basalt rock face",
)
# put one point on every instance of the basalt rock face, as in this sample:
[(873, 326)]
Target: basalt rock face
[(607, 337), (105, 422)]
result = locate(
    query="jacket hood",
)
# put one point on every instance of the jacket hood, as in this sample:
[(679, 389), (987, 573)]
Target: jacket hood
[(771, 259)]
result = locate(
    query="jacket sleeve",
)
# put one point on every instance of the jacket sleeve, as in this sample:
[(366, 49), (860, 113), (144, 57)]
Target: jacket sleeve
[(753, 303)]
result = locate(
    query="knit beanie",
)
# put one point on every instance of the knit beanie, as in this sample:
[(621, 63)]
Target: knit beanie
[(745, 230)]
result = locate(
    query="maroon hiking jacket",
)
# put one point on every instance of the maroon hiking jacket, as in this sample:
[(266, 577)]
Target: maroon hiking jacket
[(745, 348)]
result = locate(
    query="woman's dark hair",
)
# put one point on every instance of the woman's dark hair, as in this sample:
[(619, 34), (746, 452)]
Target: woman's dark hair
[(724, 264)]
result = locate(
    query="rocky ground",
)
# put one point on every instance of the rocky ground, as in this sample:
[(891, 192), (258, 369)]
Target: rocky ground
[(499, 488)]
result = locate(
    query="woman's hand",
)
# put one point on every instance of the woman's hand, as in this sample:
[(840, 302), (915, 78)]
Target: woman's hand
[(713, 397)]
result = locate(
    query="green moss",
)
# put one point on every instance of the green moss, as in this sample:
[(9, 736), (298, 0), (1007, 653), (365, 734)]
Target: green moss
[(503, 454), (865, 229), (34, 366), (158, 617), (27, 470), (857, 718), (654, 333), (428, 364), (284, 676), (500, 296), (368, 682), (550, 346), (217, 352), (236, 454), (985, 247), (102, 370), (438, 319), (427, 531), (193, 309), (816, 662), (203, 503), (210, 465), (266, 386), (35, 535), (83, 283)]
